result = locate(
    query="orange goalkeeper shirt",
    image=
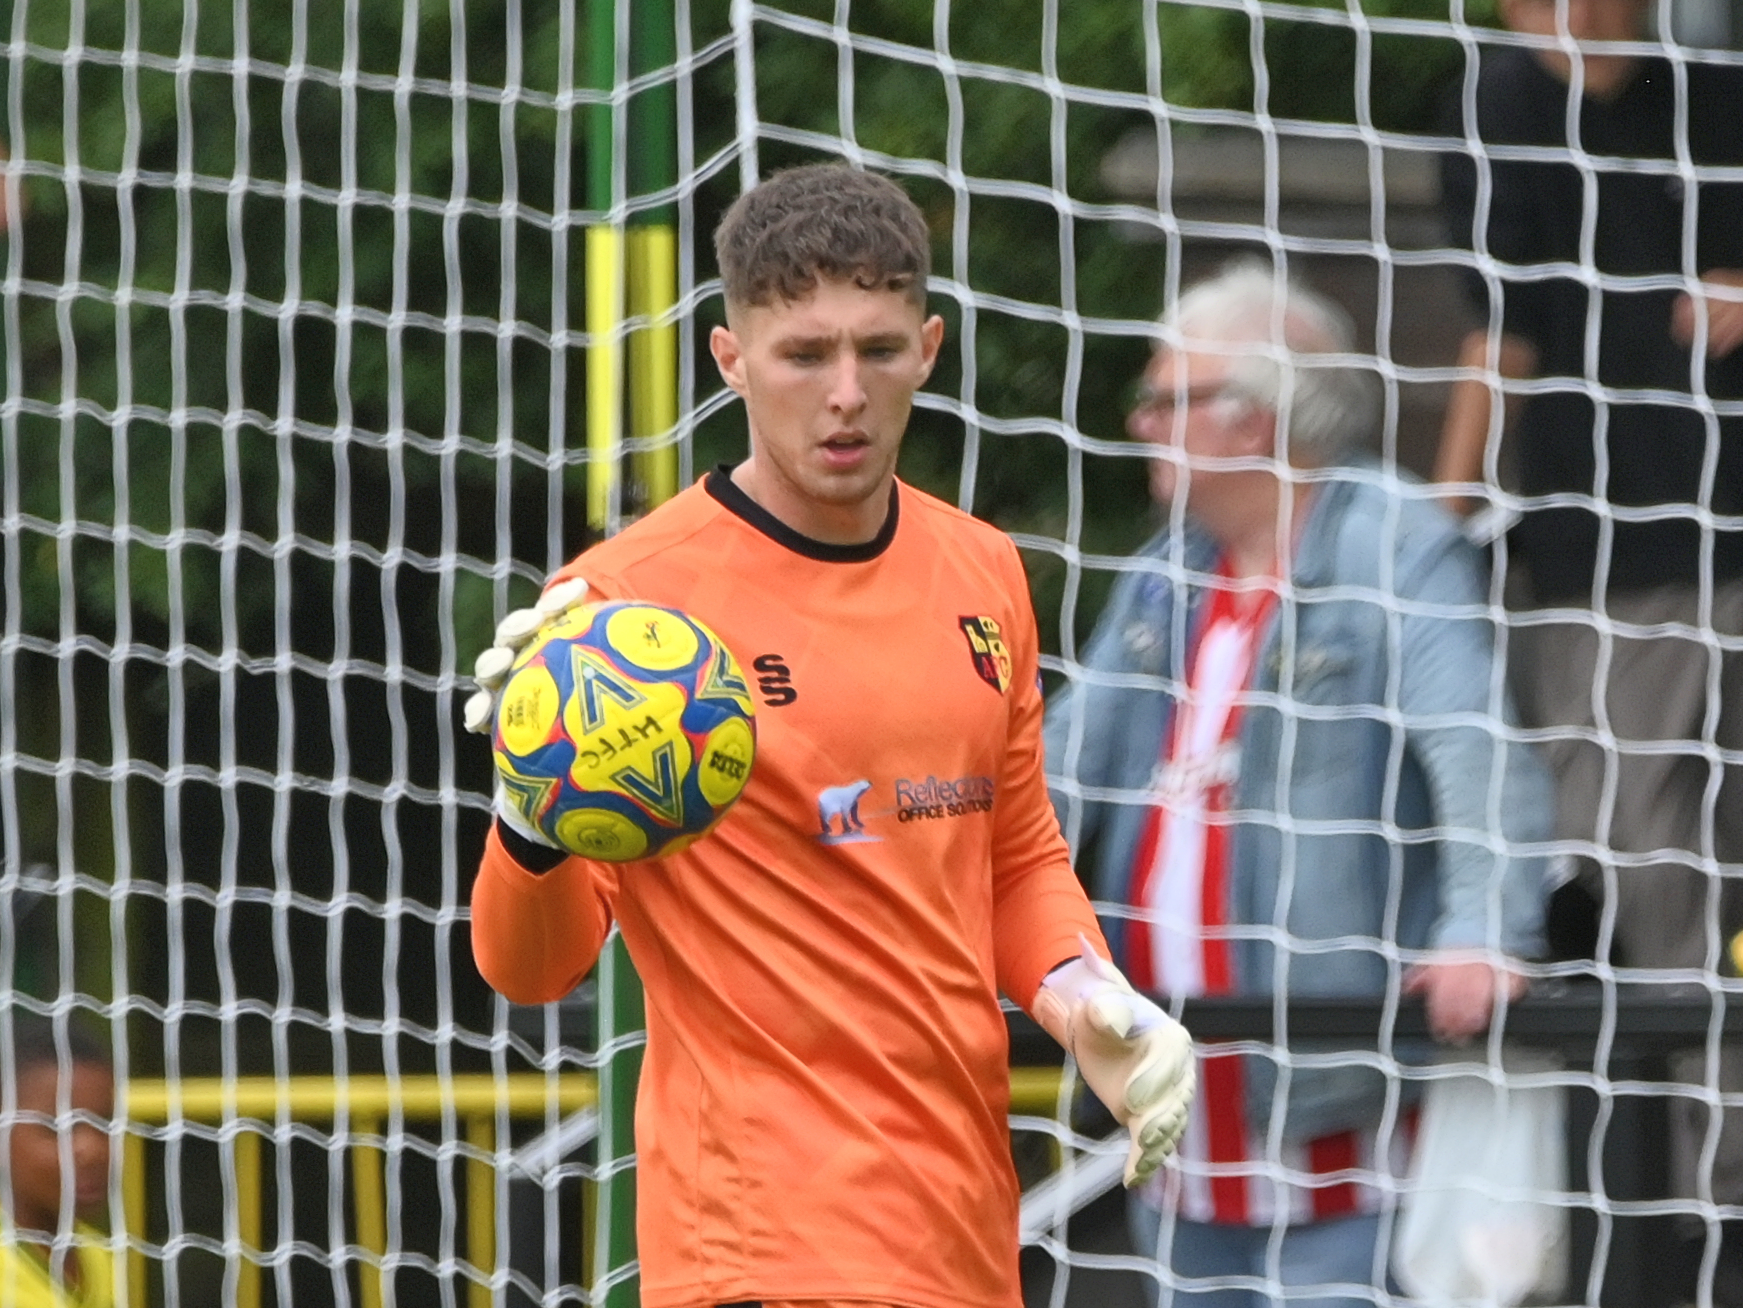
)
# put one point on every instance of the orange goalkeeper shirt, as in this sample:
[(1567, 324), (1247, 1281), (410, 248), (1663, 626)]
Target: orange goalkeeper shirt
[(822, 1110)]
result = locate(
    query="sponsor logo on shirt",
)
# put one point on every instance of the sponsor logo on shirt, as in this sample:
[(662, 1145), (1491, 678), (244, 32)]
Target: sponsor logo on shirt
[(986, 646), (928, 800), (838, 814), (774, 680), (840, 821)]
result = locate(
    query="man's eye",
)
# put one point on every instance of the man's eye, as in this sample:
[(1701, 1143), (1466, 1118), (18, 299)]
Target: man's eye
[(882, 353)]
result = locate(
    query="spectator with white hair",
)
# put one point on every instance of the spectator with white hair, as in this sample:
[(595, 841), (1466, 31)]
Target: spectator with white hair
[(1288, 743)]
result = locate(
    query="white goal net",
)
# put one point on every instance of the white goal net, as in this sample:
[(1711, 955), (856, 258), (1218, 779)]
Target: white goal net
[(331, 328)]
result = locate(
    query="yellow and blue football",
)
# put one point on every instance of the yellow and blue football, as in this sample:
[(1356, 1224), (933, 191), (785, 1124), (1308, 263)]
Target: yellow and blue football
[(624, 731)]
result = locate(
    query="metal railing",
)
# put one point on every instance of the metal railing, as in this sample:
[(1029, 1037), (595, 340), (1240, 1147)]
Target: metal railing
[(1615, 1036), (257, 1106), (1591, 1023)]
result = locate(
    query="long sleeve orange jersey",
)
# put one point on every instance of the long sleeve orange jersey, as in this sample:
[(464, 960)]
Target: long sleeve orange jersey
[(822, 1110)]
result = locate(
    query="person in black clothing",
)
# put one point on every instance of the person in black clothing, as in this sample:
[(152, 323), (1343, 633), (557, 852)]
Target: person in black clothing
[(1611, 257)]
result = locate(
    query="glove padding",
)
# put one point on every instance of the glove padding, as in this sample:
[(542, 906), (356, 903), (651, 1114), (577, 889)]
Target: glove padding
[(491, 670), (1133, 1056), (513, 634)]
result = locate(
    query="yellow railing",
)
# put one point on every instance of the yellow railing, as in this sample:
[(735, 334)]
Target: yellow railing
[(366, 1101)]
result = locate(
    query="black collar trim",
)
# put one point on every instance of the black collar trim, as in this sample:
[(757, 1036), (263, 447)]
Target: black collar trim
[(721, 487)]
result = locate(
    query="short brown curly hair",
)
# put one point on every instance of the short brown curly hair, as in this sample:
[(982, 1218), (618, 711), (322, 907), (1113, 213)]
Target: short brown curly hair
[(822, 221)]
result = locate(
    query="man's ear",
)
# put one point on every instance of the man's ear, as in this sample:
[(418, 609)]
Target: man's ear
[(931, 338), (728, 357), (1253, 426)]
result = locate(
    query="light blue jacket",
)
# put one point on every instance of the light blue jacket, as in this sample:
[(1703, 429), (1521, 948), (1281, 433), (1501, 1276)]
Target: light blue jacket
[(1383, 800)]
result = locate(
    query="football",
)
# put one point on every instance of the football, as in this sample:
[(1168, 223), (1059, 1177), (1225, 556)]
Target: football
[(624, 731)]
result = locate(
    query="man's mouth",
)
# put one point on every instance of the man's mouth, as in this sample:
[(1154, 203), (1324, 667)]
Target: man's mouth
[(845, 449)]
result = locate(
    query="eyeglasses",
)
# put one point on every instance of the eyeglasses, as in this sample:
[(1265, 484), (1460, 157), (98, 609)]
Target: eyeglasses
[(1162, 402)]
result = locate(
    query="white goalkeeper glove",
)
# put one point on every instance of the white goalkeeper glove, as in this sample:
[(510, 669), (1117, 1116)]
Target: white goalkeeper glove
[(1136, 1058), (513, 634)]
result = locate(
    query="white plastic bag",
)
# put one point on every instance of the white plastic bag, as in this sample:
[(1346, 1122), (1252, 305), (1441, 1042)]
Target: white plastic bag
[(1482, 1218)]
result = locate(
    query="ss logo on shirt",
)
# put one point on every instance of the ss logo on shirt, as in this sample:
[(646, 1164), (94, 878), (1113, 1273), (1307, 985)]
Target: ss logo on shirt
[(774, 680)]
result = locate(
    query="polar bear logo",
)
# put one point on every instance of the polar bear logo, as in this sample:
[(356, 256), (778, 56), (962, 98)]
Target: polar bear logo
[(841, 804)]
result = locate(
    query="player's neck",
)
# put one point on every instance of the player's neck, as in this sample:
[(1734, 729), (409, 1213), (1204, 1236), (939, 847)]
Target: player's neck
[(855, 523)]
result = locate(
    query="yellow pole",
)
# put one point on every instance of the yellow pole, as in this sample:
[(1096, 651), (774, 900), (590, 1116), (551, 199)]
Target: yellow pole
[(481, 1206), (1035, 1090), (248, 1208), (604, 282), (369, 1197), (133, 1214), (316, 1098), (476, 1096), (653, 360)]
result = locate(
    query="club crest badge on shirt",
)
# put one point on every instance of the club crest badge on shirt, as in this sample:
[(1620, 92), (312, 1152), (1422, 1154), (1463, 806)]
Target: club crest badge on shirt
[(986, 646)]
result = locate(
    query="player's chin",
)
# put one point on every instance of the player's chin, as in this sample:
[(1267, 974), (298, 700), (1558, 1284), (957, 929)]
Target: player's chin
[(845, 487)]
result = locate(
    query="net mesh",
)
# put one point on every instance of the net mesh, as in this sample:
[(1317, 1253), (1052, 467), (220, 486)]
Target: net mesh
[(300, 352)]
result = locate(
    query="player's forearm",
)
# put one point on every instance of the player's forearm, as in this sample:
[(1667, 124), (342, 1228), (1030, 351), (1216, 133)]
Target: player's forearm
[(534, 936), (1038, 916), (1039, 908)]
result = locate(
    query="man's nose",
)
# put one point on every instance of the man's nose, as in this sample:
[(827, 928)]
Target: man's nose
[(1141, 423), (1153, 425), (846, 395)]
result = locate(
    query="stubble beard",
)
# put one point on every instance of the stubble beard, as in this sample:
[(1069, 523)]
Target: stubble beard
[(853, 487)]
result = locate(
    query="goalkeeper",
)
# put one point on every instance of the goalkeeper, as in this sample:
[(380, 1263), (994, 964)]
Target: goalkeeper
[(822, 1112)]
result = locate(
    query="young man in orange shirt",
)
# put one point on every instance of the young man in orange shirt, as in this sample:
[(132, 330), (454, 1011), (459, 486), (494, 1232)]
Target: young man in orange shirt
[(822, 1111)]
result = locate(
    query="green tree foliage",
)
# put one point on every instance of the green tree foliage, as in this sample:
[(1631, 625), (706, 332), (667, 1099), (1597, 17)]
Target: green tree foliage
[(285, 279), (266, 271), (1041, 93), (280, 295), (268, 252), (279, 323)]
